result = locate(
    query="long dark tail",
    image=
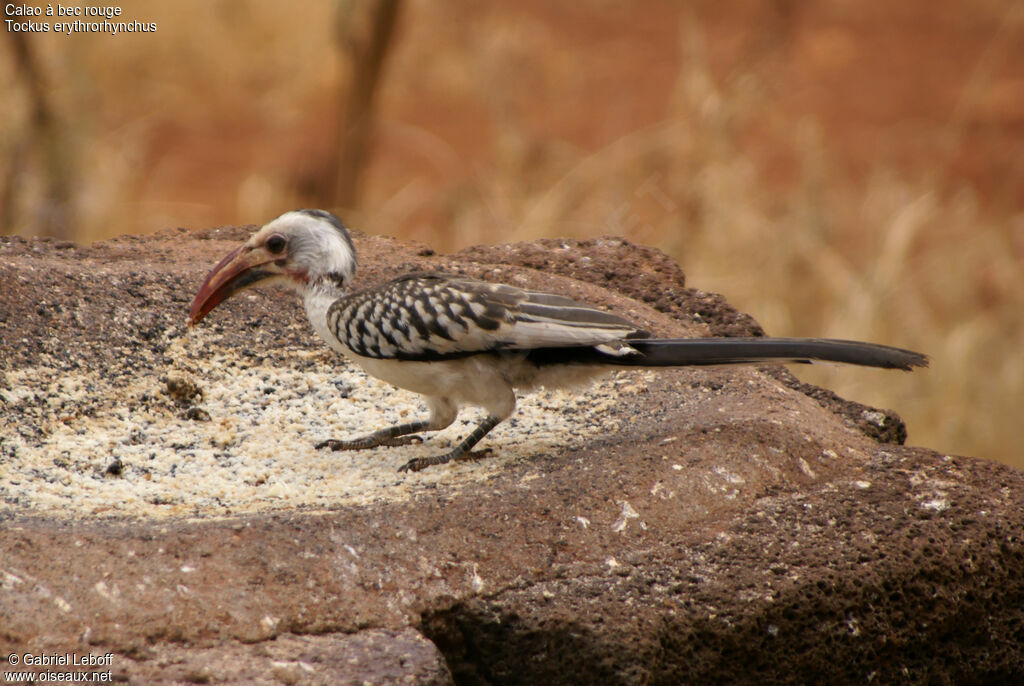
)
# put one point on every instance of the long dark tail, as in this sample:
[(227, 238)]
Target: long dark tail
[(672, 352), (687, 352)]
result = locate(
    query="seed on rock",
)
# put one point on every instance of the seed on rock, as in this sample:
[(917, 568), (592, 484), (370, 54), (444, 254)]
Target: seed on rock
[(182, 389)]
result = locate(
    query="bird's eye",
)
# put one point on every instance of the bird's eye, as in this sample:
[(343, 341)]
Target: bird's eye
[(276, 244)]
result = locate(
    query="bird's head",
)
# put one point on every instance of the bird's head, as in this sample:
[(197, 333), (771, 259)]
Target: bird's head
[(302, 249)]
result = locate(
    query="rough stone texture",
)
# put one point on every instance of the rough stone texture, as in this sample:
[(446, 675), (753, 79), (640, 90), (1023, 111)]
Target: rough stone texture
[(736, 527), (373, 656)]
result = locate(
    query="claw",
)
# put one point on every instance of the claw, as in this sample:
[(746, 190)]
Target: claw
[(413, 465), (418, 464), (366, 442), (336, 444)]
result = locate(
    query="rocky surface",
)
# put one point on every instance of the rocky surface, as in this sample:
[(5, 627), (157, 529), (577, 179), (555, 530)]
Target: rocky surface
[(688, 526)]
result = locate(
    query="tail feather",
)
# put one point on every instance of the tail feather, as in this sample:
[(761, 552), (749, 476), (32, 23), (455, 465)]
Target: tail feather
[(714, 351), (687, 352)]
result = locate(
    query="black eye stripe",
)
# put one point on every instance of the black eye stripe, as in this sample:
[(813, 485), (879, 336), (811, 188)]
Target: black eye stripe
[(276, 243)]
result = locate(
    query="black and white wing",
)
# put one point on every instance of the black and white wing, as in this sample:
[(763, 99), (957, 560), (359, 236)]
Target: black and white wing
[(433, 316)]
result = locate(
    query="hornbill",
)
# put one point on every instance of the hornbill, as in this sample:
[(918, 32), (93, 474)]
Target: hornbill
[(458, 341)]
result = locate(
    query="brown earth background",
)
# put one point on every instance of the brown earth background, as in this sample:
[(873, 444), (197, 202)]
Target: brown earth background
[(836, 169)]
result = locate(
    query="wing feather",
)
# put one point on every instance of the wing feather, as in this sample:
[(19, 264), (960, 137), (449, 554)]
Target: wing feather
[(432, 316)]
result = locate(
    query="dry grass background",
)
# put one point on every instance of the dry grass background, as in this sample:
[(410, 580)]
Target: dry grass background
[(755, 143)]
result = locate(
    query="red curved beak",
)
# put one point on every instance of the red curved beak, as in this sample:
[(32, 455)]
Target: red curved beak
[(238, 270)]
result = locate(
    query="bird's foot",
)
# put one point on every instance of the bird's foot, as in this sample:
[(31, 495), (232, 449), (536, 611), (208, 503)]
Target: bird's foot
[(420, 463), (370, 441)]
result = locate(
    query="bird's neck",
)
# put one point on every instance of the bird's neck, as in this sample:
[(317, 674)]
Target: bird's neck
[(325, 287), (317, 296)]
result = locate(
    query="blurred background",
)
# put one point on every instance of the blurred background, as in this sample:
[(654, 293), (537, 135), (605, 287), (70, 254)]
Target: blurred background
[(834, 167)]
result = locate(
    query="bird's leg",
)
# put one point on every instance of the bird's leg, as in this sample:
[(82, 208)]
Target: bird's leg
[(442, 414), (392, 435), (459, 452)]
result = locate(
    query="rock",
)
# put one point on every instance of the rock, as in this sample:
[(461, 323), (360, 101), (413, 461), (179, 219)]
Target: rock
[(183, 389), (687, 526), (373, 656)]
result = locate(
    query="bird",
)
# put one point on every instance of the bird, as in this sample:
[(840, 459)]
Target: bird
[(459, 341)]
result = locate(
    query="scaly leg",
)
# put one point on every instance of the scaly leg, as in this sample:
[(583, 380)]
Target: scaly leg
[(458, 453), (442, 414), (392, 435)]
